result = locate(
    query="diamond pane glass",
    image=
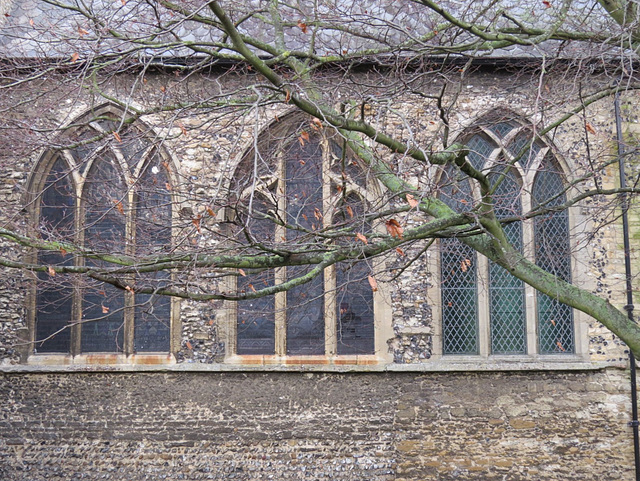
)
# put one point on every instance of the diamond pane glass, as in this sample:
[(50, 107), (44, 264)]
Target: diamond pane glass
[(54, 294), (458, 280), (507, 309), (552, 249), (480, 150), (501, 129), (527, 156)]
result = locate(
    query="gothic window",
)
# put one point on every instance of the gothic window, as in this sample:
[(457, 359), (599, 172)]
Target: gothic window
[(485, 310), (304, 180), (110, 194)]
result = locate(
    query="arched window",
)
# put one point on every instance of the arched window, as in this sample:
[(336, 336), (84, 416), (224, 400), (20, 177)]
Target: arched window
[(109, 192), (485, 310), (299, 184)]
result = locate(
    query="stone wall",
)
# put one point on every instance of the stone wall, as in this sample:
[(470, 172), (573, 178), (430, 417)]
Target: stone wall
[(395, 426), (207, 145)]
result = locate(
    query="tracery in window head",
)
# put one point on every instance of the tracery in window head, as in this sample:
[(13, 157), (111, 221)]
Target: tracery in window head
[(109, 194), (478, 296), (302, 195)]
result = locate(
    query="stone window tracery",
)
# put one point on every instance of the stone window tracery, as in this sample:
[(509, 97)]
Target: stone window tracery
[(110, 194), (308, 183), (484, 309)]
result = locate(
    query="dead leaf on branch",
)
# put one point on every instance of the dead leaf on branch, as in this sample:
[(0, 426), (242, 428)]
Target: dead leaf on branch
[(349, 211), (412, 201), (394, 228), (362, 237), (373, 283), (52, 271), (303, 137), (303, 26)]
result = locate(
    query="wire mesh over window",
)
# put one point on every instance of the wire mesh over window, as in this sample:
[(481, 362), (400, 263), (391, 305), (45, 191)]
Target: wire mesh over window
[(354, 297), (552, 248), (54, 293), (255, 320), (458, 266), (313, 184), (506, 292), (121, 207)]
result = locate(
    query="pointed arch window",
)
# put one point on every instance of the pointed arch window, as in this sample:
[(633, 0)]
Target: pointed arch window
[(485, 310), (111, 195), (307, 183)]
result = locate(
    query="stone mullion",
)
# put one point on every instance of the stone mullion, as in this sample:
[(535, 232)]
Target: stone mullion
[(280, 274), (76, 305), (330, 315)]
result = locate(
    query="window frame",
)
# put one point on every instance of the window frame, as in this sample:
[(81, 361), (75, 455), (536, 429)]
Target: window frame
[(434, 295), (285, 128), (35, 188)]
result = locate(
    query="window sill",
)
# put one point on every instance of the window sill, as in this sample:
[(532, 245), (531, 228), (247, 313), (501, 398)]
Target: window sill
[(101, 359), (44, 363)]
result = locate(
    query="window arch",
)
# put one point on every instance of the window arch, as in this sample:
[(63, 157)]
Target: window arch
[(108, 191), (485, 310), (303, 177)]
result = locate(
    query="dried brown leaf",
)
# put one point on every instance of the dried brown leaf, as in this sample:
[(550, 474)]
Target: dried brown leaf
[(394, 228), (412, 201)]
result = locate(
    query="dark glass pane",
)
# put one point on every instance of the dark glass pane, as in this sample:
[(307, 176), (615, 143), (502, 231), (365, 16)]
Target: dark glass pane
[(152, 316), (153, 237), (552, 249), (501, 129), (354, 297), (105, 204), (304, 188), (305, 314), (506, 292), (521, 142), (255, 317), (459, 276), (480, 149), (346, 167), (305, 304), (133, 147), (54, 293)]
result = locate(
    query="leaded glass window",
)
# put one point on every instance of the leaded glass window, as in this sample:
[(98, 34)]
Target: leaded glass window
[(111, 195), (479, 296), (310, 182)]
